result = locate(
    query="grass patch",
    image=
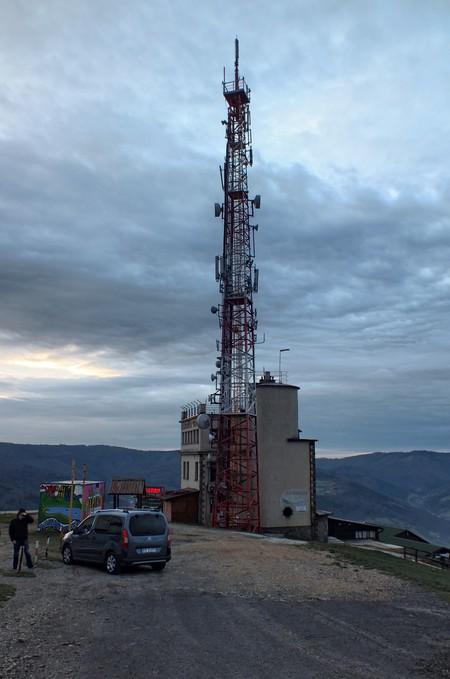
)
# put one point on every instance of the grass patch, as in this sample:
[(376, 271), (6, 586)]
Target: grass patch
[(6, 592), (435, 579)]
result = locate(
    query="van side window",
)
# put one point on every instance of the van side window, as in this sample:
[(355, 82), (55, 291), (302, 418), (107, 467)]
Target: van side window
[(115, 525), (101, 525), (86, 525)]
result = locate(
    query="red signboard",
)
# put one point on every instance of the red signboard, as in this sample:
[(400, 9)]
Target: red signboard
[(153, 490)]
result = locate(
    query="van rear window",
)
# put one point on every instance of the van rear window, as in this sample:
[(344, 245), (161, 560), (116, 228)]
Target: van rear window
[(147, 524)]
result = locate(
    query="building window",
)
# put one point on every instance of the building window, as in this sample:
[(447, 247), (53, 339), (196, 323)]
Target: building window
[(365, 535), (186, 471), (196, 470), (190, 436)]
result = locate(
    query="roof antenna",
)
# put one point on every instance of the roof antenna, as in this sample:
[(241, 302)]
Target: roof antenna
[(236, 64)]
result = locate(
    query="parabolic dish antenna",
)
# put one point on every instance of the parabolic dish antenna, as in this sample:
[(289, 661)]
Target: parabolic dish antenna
[(203, 421)]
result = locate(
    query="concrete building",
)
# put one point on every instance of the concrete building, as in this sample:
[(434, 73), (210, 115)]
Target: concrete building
[(197, 458), (286, 462), (287, 483)]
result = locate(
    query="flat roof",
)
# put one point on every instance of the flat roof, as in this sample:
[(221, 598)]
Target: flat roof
[(352, 522), (68, 482), (277, 384)]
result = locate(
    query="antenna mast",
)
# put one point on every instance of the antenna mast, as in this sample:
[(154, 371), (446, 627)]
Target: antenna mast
[(236, 494)]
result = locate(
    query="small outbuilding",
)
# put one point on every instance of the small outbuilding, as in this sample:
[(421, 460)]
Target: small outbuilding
[(120, 487), (404, 538), (345, 529), (181, 505)]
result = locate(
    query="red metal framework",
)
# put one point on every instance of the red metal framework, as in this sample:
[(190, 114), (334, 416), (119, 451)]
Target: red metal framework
[(236, 492)]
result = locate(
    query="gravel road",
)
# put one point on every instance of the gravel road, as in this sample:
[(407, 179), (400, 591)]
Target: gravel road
[(227, 605)]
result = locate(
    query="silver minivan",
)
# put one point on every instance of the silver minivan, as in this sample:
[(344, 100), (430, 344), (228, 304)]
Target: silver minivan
[(119, 538)]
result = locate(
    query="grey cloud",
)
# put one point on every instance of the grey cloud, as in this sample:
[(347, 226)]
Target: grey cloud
[(109, 149), (86, 258)]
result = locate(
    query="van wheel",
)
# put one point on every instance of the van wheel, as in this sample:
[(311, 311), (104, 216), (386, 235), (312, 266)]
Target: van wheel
[(158, 566), (112, 564), (67, 556)]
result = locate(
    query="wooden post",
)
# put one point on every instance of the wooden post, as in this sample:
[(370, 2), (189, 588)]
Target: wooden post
[(19, 566), (72, 485), (83, 502)]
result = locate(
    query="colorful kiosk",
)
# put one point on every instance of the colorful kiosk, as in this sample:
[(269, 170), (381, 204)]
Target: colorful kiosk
[(63, 504)]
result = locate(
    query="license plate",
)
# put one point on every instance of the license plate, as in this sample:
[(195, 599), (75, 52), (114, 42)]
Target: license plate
[(148, 550)]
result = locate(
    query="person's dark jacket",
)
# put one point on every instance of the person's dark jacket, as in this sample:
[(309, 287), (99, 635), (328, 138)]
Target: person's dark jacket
[(18, 528)]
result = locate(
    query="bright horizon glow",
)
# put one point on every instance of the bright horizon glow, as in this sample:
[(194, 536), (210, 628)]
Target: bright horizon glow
[(58, 365)]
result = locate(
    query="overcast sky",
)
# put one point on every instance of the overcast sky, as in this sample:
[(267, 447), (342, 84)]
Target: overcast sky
[(110, 143)]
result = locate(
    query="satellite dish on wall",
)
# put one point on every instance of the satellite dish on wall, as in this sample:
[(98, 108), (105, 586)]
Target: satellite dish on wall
[(203, 421)]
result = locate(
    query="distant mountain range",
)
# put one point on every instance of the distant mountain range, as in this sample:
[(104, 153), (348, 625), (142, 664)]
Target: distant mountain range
[(24, 467), (410, 490)]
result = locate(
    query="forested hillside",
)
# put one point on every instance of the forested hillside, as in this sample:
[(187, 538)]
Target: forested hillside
[(24, 467), (410, 490)]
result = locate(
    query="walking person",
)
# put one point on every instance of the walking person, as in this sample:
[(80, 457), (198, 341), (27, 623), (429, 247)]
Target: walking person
[(18, 532)]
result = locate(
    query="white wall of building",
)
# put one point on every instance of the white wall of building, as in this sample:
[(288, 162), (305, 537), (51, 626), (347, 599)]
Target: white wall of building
[(284, 459)]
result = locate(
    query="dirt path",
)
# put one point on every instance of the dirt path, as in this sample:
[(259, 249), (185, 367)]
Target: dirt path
[(227, 605)]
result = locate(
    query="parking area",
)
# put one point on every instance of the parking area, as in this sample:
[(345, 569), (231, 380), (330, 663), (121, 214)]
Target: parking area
[(227, 605)]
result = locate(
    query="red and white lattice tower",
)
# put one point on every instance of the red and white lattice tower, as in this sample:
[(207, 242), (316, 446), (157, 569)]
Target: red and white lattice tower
[(236, 492)]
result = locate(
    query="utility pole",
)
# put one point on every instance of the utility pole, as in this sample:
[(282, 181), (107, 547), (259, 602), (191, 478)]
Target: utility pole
[(83, 492), (279, 365), (72, 488)]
